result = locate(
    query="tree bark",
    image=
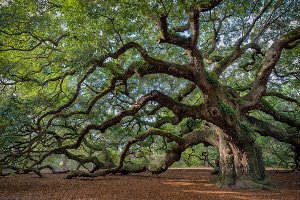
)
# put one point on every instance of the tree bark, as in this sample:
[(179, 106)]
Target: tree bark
[(241, 165)]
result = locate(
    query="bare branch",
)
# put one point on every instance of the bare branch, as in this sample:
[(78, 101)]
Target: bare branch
[(267, 108)]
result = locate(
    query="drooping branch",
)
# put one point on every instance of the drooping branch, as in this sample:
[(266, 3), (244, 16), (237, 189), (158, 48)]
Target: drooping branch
[(54, 171), (84, 159), (123, 77), (282, 96), (71, 100), (268, 109), (264, 128), (108, 160), (203, 135), (124, 153), (181, 110), (155, 66), (20, 170)]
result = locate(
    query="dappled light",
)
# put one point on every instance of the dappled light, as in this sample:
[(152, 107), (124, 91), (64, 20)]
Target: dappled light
[(176, 183)]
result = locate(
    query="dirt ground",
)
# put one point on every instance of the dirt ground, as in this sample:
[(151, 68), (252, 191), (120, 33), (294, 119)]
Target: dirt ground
[(174, 184)]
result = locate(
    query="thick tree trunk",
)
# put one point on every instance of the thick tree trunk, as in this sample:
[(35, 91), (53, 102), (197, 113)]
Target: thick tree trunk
[(241, 165), (240, 160)]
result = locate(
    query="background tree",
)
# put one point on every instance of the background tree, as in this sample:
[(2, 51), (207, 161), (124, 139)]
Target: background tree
[(117, 84)]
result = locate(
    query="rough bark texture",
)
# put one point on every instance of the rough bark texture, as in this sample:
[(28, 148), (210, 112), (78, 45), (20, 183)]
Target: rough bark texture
[(241, 167)]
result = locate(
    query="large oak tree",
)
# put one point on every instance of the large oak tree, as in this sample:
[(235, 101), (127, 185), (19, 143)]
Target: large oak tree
[(99, 75)]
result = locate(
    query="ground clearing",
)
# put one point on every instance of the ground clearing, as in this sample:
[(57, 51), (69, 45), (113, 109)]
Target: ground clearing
[(174, 184)]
